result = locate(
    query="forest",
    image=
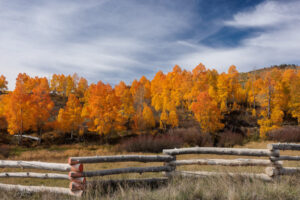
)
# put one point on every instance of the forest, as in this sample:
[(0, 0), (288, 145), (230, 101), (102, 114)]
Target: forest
[(68, 107)]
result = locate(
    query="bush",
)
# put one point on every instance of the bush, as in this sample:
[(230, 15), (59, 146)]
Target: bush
[(4, 151), (175, 138), (285, 134), (229, 139), (192, 136), (149, 143)]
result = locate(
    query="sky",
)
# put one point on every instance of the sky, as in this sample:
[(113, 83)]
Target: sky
[(114, 40)]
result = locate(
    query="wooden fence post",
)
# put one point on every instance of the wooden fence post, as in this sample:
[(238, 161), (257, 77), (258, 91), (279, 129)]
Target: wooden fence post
[(276, 164), (77, 185), (173, 167)]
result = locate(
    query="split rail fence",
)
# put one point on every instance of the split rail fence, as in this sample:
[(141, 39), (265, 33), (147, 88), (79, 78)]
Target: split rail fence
[(77, 176)]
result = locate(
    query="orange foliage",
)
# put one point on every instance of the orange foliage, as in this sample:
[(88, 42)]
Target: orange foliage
[(207, 113), (202, 94), (69, 118), (102, 109)]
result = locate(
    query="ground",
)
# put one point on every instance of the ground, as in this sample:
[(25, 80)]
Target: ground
[(179, 188)]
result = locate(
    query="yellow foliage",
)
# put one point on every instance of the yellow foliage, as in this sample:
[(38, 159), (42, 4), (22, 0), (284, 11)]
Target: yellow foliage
[(207, 113), (148, 117), (173, 119)]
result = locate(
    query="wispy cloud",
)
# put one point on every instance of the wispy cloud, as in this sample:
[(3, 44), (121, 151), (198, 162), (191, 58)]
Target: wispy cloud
[(276, 42), (94, 38), (113, 40)]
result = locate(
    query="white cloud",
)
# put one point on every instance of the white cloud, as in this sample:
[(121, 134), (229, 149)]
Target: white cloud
[(268, 13), (101, 40), (277, 43), (113, 40)]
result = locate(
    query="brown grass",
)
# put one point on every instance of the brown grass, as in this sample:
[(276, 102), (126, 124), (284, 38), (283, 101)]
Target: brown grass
[(177, 189)]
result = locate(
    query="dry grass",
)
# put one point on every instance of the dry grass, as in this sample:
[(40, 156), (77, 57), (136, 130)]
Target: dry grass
[(217, 188), (177, 189)]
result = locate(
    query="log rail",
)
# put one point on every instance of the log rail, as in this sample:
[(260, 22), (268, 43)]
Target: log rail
[(77, 176)]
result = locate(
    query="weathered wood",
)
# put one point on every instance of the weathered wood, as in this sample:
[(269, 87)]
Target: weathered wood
[(121, 158), (120, 171), (222, 151), (28, 136), (224, 162), (285, 158), (35, 165), (81, 180), (200, 174), (33, 175), (74, 186), (39, 189), (76, 167), (284, 146), (282, 171)]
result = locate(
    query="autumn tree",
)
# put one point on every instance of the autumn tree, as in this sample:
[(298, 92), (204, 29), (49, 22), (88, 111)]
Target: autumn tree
[(126, 108), (3, 103), (18, 109), (200, 82), (252, 89), (42, 104), (3, 84), (69, 117), (82, 86), (148, 117), (141, 94), (102, 109), (294, 104), (167, 96), (271, 112), (207, 113)]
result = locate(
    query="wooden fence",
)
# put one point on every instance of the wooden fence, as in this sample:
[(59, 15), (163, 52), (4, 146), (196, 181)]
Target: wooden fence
[(77, 176)]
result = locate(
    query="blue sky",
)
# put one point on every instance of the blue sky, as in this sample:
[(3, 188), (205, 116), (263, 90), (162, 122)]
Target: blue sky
[(113, 40)]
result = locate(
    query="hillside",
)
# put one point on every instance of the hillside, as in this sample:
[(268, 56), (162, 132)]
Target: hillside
[(218, 109)]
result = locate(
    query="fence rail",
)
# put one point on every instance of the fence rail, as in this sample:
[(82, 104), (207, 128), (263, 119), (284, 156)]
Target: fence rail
[(122, 158), (222, 151), (33, 175), (77, 176), (34, 165), (225, 162)]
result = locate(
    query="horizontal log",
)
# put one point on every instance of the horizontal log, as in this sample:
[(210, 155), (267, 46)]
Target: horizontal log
[(30, 137), (222, 151), (34, 165), (284, 146), (285, 158), (121, 158), (271, 171), (200, 174), (224, 162), (39, 189), (120, 171), (33, 175)]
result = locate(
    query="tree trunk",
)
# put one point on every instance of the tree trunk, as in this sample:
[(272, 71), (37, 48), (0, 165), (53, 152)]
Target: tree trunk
[(269, 103), (40, 135), (72, 135), (21, 130)]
